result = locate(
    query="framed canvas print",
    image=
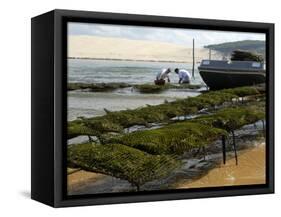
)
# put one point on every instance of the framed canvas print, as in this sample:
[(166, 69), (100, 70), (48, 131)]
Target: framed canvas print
[(134, 108)]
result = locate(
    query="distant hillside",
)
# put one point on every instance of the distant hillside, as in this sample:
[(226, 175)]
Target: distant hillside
[(247, 45), (96, 47)]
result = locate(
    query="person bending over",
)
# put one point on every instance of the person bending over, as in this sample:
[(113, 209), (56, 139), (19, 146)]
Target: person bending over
[(184, 76), (161, 76)]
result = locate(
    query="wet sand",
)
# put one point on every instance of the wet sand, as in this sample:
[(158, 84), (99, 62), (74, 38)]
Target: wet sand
[(79, 179), (250, 170)]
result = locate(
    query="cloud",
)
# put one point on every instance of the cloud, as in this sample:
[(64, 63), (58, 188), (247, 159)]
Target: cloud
[(171, 35)]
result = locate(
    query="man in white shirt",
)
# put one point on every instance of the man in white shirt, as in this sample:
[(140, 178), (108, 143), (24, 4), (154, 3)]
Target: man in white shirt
[(184, 76), (161, 76)]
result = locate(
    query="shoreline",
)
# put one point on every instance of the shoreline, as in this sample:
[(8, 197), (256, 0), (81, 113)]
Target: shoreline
[(132, 60), (249, 171)]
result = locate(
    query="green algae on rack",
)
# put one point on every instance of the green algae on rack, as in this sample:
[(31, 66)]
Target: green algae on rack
[(142, 88), (171, 139), (144, 156), (152, 88), (182, 136), (121, 161), (233, 118), (117, 121), (97, 87)]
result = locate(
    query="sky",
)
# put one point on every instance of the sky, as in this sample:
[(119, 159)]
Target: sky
[(170, 35)]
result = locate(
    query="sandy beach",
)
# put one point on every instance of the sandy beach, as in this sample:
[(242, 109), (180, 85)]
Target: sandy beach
[(250, 170), (80, 178), (96, 47)]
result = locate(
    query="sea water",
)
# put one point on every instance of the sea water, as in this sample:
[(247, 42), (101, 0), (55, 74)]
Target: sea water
[(89, 104)]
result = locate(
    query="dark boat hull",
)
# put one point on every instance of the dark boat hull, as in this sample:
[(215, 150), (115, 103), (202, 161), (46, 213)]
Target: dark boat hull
[(216, 80)]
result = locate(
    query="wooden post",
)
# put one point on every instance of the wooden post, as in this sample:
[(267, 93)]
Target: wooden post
[(193, 59), (234, 147), (223, 149), (204, 152)]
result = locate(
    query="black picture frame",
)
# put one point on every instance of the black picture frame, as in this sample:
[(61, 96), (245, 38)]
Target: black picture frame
[(49, 103)]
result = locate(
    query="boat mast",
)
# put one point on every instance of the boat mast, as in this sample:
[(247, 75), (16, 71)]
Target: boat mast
[(193, 59)]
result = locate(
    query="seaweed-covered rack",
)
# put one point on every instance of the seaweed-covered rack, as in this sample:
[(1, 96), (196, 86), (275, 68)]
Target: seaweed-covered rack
[(130, 155)]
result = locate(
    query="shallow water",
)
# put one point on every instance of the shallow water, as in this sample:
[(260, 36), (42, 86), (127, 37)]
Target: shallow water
[(132, 72), (89, 104)]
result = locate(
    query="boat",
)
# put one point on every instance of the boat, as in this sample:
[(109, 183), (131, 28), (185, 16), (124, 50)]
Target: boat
[(222, 74)]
